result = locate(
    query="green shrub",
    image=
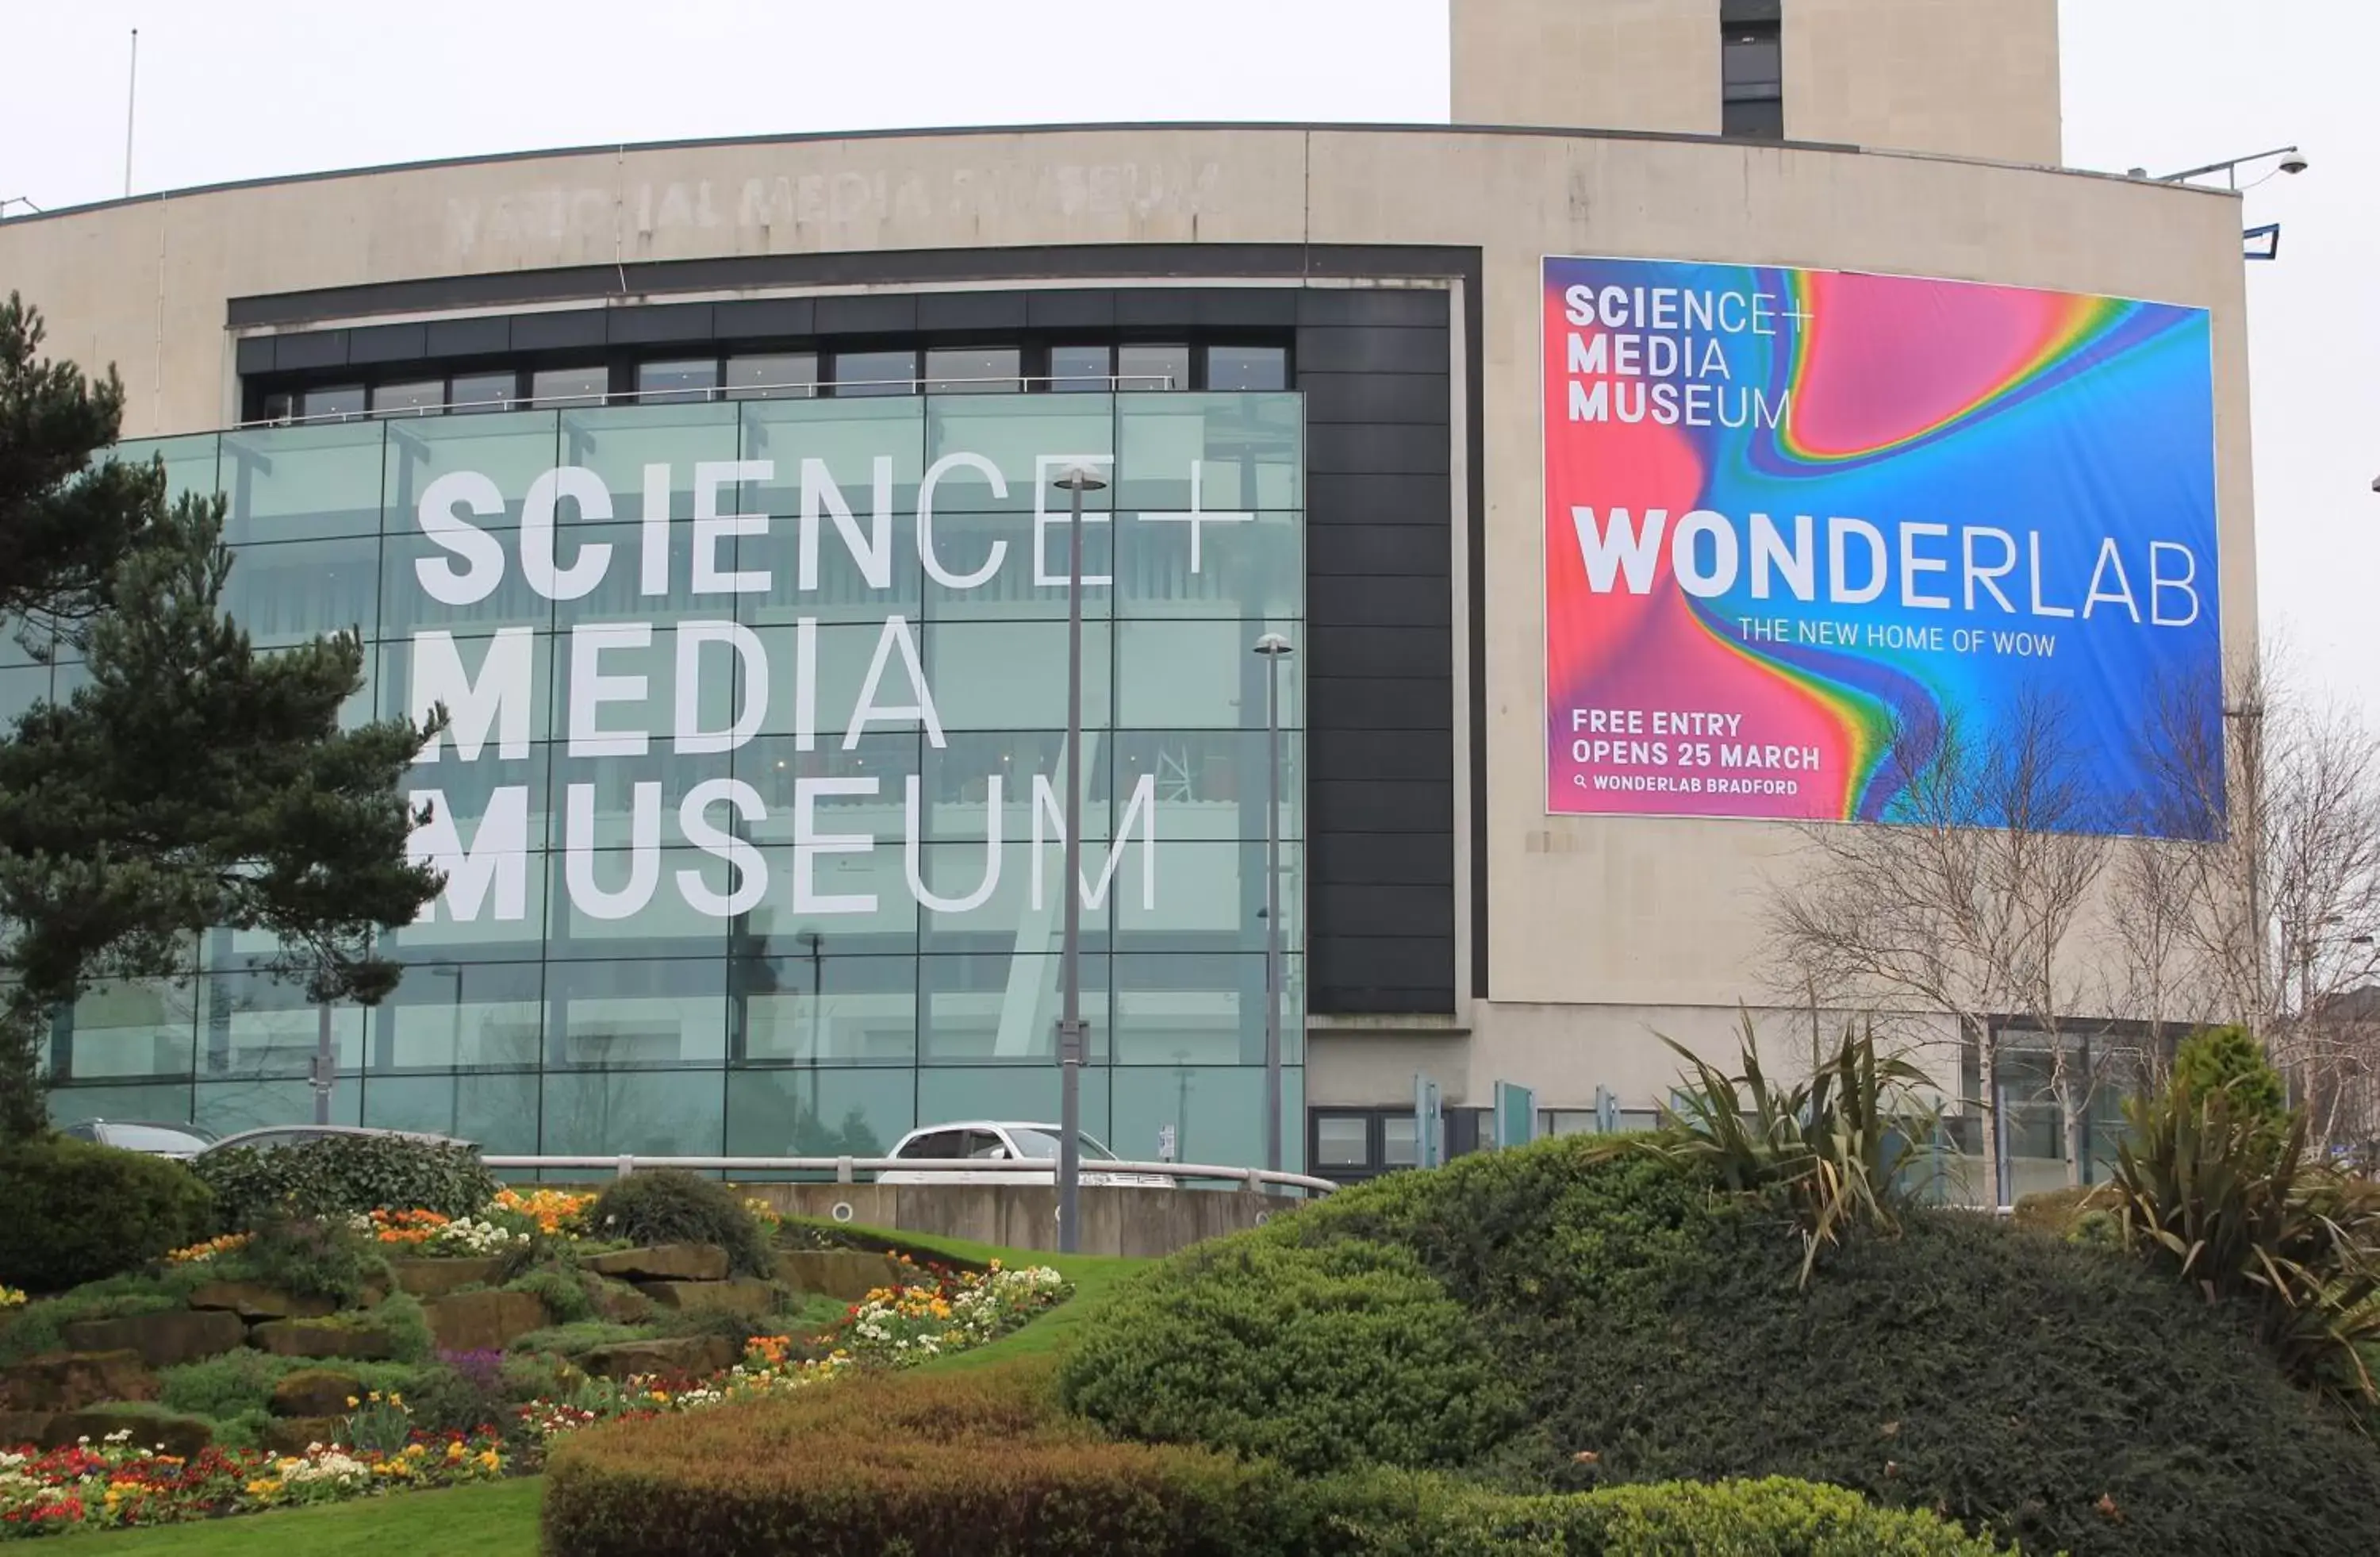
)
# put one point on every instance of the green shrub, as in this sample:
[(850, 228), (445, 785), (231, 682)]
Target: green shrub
[(669, 1206), (579, 1337), (1400, 1514), (561, 1289), (238, 1383), (406, 1323), (77, 1212), (1317, 1357), (1657, 1325), (341, 1175), (2230, 1060), (311, 1257)]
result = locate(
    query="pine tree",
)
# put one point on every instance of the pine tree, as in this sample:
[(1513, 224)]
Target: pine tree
[(191, 782)]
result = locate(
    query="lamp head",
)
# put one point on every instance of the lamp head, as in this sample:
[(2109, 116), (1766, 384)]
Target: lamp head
[(1272, 646), (1078, 477), (2294, 160)]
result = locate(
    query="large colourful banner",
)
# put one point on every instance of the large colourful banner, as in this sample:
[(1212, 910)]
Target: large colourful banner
[(1798, 521)]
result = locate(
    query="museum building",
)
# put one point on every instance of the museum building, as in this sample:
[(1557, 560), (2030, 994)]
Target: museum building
[(711, 487)]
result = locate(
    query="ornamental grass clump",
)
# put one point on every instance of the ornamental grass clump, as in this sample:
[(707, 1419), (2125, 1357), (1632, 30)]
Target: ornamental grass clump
[(1834, 1152), (2208, 1193), (671, 1206)]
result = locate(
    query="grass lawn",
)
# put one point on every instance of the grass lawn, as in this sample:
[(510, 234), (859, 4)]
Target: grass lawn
[(500, 1520)]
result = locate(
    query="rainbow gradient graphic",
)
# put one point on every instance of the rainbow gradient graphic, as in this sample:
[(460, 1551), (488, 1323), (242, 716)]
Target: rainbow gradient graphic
[(1794, 517)]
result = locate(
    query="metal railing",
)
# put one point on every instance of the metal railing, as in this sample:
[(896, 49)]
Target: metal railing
[(847, 1169), (796, 389)]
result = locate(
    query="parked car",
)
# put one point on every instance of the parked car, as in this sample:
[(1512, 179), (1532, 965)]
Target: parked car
[(298, 1135), (997, 1141), (180, 1142)]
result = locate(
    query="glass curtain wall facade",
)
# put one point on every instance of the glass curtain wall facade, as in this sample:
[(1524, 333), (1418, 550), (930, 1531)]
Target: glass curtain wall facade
[(750, 803)]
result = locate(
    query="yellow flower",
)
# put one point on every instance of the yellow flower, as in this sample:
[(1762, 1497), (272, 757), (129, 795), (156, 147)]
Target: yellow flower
[(394, 1398), (454, 1450), (351, 1403)]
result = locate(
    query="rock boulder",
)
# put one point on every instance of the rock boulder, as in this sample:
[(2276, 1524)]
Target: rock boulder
[(70, 1381), (176, 1335), (666, 1262)]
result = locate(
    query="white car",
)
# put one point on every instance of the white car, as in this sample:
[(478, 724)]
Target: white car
[(998, 1140)]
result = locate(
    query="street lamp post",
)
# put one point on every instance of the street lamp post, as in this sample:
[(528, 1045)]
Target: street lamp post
[(1075, 482), (1272, 648)]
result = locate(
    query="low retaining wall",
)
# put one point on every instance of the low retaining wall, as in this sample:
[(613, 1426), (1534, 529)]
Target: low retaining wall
[(1115, 1221)]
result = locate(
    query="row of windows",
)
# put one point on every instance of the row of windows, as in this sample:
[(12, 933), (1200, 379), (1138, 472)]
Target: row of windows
[(978, 1008), (1208, 1114), (1093, 367)]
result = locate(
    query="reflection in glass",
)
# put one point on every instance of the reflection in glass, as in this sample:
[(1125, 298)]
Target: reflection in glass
[(1152, 367), (637, 1013), (815, 1113), (421, 398), (138, 1028), (973, 370), (791, 375), (294, 483), (1231, 369), (335, 401), (858, 374), (476, 393), (569, 386), (662, 382), (1079, 369), (497, 1111), (651, 1112)]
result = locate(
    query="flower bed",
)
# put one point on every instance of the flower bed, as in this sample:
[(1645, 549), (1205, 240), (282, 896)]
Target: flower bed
[(117, 1483)]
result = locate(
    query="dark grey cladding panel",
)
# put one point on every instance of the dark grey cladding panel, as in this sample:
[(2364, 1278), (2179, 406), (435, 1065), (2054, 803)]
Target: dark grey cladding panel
[(1389, 975), (388, 342), (867, 314), (1150, 308), (469, 337), (1404, 654), (1331, 350), (1370, 446), (1373, 307), (1331, 598), (557, 332), (1070, 310), (1221, 307), (1412, 399), (662, 323), (1366, 497), (318, 348), (1399, 908), (1379, 702), (971, 310), (1400, 858), (1356, 551), (1385, 754), (755, 317), (1380, 805)]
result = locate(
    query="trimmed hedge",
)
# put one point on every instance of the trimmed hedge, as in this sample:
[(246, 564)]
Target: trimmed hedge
[(1366, 1360), (2057, 1395), (982, 1465), (960, 1465), (79, 1211), (341, 1176)]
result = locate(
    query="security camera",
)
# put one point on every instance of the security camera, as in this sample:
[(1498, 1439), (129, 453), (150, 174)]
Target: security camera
[(2376, 483), (2294, 163)]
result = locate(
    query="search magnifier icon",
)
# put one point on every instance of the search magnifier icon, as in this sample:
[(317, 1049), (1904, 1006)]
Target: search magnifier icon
[(1579, 779)]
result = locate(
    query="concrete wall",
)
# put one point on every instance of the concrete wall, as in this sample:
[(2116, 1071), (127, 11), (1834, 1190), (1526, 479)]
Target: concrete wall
[(1592, 923), (1146, 1222), (1969, 79), (1972, 80), (1593, 63)]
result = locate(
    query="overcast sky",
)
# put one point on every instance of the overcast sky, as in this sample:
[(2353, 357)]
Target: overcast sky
[(263, 87)]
